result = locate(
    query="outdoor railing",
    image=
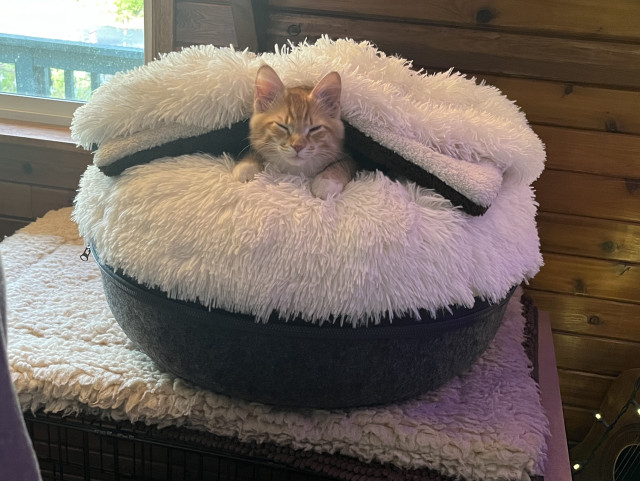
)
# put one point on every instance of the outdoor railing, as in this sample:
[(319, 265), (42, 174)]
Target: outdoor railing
[(35, 57)]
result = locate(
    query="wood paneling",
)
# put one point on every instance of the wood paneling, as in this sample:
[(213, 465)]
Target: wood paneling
[(42, 166), (608, 154), (605, 279), (583, 390), (36, 135), (203, 23), (39, 171), (577, 422), (563, 17), (162, 27), (594, 354), (589, 237), (216, 22), (590, 316), (472, 50), (244, 24), (572, 105), (589, 195), (15, 199), (44, 199)]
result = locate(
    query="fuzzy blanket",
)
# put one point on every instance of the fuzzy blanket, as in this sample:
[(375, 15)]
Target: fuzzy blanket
[(68, 354)]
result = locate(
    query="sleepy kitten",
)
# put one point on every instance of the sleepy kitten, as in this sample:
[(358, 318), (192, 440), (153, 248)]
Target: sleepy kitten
[(298, 131)]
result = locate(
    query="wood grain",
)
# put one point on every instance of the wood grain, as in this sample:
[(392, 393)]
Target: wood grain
[(42, 166), (577, 17), (15, 199), (589, 195), (582, 389), (202, 23), (592, 354), (44, 199), (577, 422), (36, 134), (473, 50), (572, 105), (584, 276), (162, 28), (589, 237), (602, 153), (590, 316), (244, 24)]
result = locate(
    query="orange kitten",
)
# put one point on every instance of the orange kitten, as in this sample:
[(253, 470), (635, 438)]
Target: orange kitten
[(298, 131)]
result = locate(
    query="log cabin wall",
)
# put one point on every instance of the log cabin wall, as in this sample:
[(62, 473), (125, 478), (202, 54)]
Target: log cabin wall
[(573, 66), (39, 170)]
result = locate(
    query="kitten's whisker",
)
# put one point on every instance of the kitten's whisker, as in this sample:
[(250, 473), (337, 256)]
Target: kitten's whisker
[(242, 151)]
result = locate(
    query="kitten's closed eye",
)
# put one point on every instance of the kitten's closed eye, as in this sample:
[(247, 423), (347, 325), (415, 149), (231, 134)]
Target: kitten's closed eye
[(283, 126), (315, 128)]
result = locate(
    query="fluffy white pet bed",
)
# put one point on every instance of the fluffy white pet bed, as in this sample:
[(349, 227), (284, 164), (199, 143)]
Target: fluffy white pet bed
[(381, 248)]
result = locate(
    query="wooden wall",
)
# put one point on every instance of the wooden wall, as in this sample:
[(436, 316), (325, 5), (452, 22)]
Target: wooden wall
[(574, 68), (39, 170)]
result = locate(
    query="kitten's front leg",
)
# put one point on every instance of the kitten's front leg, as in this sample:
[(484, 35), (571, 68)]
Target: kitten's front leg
[(331, 180), (247, 168)]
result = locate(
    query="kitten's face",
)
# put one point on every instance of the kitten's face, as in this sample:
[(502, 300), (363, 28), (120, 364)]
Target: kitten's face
[(297, 130)]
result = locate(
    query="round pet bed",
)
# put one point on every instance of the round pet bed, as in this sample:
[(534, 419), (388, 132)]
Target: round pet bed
[(377, 294)]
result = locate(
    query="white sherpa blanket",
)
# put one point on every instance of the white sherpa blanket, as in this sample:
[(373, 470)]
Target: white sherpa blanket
[(469, 136), (68, 354)]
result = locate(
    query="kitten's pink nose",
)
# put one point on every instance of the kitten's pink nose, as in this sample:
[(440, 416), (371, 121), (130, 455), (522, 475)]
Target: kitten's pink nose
[(298, 146)]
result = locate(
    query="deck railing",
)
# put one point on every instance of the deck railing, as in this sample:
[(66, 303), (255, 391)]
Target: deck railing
[(35, 57)]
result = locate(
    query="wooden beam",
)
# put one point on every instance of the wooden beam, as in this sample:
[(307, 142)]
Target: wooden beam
[(159, 21)]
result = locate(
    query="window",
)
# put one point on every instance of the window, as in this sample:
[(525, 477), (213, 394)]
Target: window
[(53, 53)]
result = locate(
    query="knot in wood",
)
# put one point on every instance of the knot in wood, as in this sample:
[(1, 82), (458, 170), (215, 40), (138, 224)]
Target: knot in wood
[(294, 29), (609, 247), (594, 320), (27, 168), (485, 15), (611, 125), (579, 286), (632, 185)]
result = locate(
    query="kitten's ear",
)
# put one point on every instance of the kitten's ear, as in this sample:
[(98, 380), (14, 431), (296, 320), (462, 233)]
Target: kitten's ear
[(327, 93), (268, 88)]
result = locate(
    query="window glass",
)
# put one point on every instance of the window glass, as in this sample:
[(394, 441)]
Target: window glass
[(63, 49)]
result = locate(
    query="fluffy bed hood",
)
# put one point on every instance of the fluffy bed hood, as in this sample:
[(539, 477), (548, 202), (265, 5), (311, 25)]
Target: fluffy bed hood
[(169, 214), (442, 131)]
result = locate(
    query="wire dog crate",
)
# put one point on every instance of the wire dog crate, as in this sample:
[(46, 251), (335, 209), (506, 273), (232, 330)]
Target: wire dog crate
[(89, 448)]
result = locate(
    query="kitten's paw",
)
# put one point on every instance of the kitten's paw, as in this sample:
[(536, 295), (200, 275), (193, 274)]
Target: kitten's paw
[(322, 187), (245, 171)]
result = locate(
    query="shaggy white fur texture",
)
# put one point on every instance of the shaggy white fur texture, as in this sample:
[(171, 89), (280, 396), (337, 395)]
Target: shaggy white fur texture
[(184, 225), (427, 119), (68, 354)]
